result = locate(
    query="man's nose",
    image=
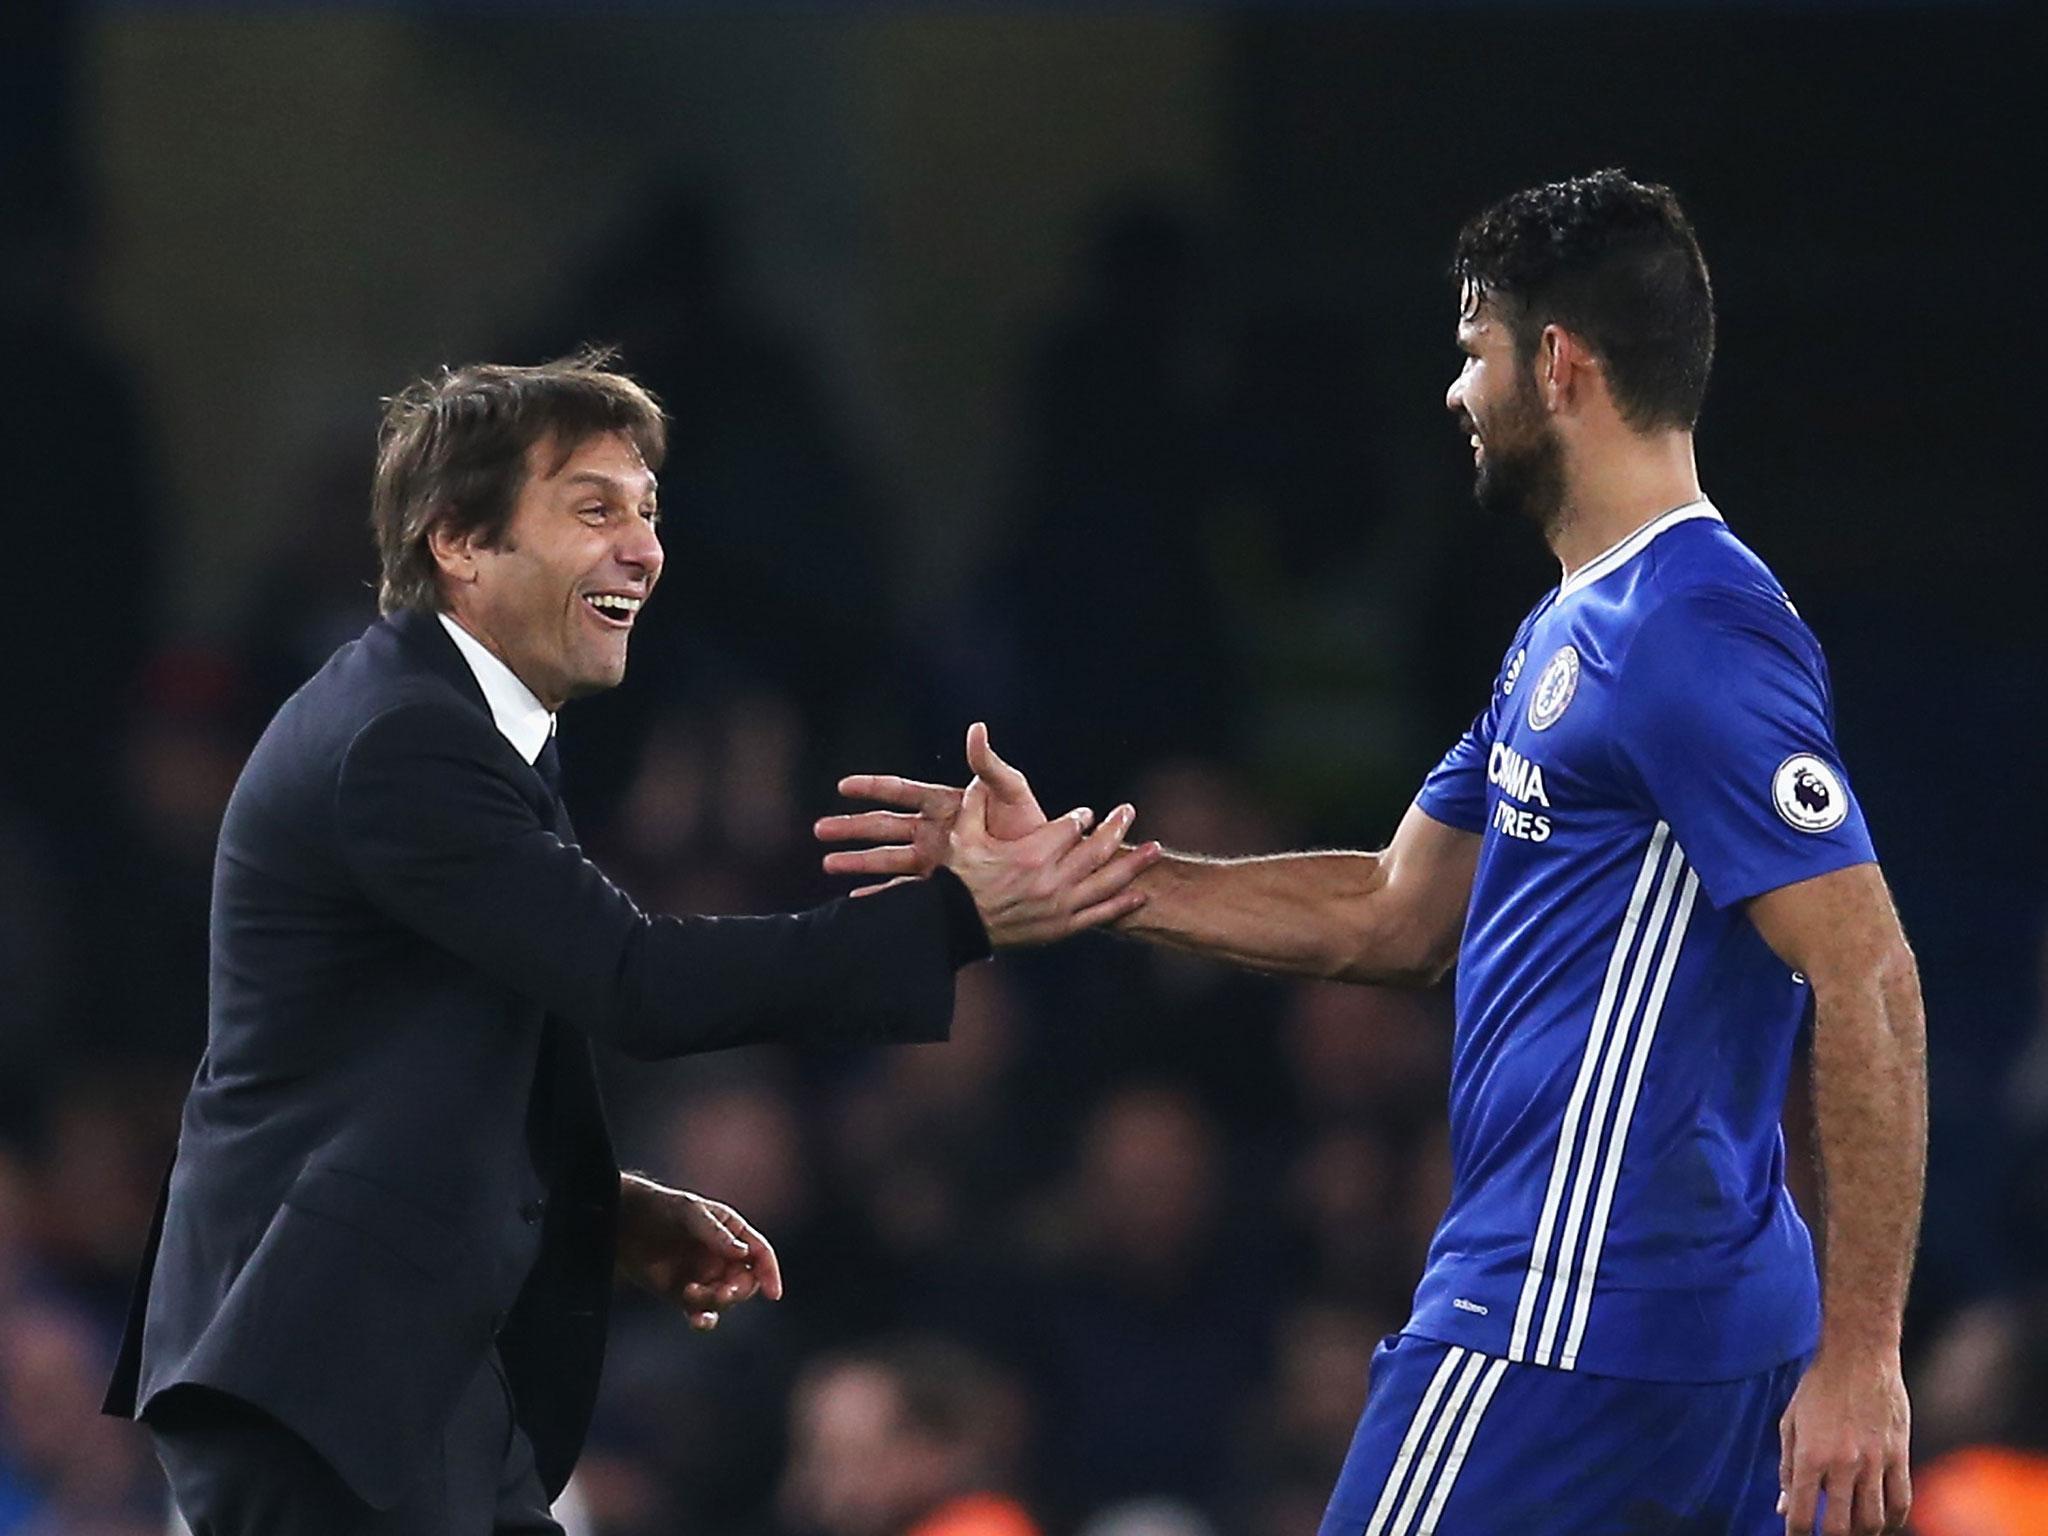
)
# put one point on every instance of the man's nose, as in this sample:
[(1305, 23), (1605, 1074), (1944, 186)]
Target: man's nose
[(1454, 397), (641, 549)]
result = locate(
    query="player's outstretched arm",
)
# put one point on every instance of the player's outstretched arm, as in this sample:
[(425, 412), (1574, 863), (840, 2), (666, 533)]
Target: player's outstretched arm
[(1391, 917), (1847, 1429)]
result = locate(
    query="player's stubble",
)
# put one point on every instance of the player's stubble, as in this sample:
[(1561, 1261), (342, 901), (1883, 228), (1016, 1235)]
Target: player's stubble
[(1521, 473)]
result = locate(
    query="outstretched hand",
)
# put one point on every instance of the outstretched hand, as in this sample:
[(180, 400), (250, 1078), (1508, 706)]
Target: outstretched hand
[(911, 838), (1033, 880), (1049, 884)]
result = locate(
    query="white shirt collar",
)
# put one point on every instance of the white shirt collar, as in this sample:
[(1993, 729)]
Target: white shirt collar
[(1615, 556), (521, 718)]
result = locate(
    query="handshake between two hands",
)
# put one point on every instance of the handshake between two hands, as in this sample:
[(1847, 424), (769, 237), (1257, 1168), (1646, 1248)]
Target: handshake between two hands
[(1033, 879)]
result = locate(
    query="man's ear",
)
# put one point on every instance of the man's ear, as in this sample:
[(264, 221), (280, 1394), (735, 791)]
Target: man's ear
[(454, 553), (1565, 368)]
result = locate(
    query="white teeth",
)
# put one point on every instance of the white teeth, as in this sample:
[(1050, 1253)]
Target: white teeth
[(615, 603), (1475, 439)]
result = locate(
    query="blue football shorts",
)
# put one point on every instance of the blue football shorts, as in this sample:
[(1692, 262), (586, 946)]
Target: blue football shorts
[(1456, 1443)]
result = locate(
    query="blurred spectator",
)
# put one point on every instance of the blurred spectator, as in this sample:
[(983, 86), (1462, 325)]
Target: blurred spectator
[(140, 943), (774, 570), (32, 923), (64, 1469), (689, 1430), (1297, 1431), (17, 1254), (1155, 1312), (712, 818), (1346, 1195), (86, 542), (2027, 1112), (1140, 1013), (1425, 1195), (926, 1142), (105, 1142), (1110, 581), (1148, 1517), (1981, 1421), (914, 1436), (1377, 1056), (318, 590)]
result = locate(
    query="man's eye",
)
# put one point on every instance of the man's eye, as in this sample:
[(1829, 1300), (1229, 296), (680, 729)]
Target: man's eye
[(591, 514)]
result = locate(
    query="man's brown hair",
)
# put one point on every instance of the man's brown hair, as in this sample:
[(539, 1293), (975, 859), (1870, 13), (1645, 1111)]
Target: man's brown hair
[(452, 452)]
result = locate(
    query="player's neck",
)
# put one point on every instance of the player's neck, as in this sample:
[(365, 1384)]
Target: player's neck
[(1612, 494)]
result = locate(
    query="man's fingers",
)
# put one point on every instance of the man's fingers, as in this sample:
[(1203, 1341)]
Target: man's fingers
[(904, 794), (868, 827), (1123, 904), (874, 861), (1053, 841), (881, 885), (1867, 1515), (1802, 1493), (1005, 781), (766, 1271), (1838, 1501), (1115, 876), (703, 1322), (1898, 1493), (971, 825), (1101, 845)]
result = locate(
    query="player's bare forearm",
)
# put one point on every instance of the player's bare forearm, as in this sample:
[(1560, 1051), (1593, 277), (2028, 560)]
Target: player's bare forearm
[(1869, 1089), (1301, 914), (1870, 1109), (1845, 1436), (1391, 918)]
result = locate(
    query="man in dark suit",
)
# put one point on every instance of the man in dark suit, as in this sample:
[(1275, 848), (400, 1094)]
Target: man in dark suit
[(374, 1300)]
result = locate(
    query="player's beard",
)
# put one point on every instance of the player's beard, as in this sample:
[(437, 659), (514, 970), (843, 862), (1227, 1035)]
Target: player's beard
[(1521, 472)]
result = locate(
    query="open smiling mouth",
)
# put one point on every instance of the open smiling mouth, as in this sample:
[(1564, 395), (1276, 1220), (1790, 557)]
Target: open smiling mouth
[(613, 608)]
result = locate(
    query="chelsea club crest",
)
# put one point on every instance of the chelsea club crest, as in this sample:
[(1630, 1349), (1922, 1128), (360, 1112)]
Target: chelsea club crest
[(1554, 689)]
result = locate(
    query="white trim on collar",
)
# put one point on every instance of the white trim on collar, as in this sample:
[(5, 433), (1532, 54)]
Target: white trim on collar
[(520, 717), (1615, 556)]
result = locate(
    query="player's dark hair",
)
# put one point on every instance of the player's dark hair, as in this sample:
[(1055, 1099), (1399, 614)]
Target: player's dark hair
[(452, 453), (1615, 262)]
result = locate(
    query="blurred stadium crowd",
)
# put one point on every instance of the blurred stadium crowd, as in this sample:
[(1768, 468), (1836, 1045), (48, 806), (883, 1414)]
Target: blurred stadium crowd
[(1114, 1260)]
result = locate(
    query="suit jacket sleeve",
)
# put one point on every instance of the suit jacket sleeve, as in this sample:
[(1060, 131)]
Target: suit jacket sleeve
[(444, 840)]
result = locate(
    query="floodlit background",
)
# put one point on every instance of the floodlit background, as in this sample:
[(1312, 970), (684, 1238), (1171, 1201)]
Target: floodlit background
[(1076, 368)]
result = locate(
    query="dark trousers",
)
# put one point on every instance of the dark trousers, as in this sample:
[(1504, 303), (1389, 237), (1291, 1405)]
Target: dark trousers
[(236, 1471)]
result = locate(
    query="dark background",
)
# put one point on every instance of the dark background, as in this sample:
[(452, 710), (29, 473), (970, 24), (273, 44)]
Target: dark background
[(1078, 369)]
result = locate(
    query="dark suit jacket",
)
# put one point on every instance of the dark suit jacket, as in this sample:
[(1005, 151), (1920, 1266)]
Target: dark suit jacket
[(393, 1152)]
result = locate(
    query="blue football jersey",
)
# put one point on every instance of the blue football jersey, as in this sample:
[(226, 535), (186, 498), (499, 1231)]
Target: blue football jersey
[(1659, 748)]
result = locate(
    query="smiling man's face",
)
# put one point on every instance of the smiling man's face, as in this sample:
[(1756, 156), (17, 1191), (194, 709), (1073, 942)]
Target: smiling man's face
[(557, 597), (1517, 459)]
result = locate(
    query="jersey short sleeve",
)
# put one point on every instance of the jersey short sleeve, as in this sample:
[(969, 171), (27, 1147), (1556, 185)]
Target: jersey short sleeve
[(1455, 791), (1723, 720)]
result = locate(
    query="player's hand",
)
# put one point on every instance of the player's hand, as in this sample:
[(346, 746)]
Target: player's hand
[(1846, 1435), (1051, 883), (695, 1252), (911, 838)]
